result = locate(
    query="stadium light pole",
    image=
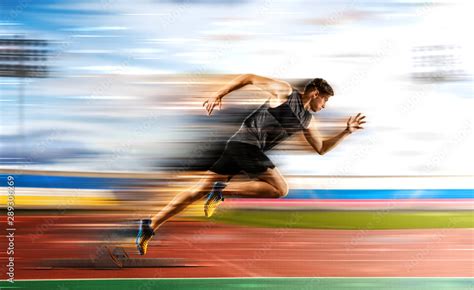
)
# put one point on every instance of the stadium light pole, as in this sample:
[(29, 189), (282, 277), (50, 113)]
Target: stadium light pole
[(23, 58)]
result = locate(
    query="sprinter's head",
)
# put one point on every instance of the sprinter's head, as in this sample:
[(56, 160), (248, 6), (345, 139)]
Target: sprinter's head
[(319, 92)]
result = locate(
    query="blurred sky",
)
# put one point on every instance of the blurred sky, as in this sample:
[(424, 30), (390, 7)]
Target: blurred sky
[(406, 64)]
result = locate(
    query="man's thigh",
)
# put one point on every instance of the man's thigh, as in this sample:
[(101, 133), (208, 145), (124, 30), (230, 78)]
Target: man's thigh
[(274, 177)]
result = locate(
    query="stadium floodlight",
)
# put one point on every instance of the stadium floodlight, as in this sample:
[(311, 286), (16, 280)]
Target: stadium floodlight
[(23, 58)]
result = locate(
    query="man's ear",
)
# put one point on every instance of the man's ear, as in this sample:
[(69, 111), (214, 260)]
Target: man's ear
[(316, 93)]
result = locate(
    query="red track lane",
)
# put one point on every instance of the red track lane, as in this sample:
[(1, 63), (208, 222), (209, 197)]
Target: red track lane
[(235, 251)]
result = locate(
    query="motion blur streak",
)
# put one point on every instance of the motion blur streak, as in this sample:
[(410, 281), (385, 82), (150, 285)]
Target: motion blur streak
[(102, 124)]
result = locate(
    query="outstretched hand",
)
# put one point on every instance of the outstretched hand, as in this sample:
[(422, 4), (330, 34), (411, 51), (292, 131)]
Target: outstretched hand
[(212, 102), (354, 123)]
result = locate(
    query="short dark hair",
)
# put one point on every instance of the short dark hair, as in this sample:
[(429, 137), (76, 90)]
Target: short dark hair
[(321, 85)]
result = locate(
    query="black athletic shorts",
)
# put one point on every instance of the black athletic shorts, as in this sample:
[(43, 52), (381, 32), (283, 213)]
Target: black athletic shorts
[(240, 156)]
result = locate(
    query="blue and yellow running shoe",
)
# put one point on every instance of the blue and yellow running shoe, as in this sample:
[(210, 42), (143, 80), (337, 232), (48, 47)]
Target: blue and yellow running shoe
[(214, 198), (145, 233)]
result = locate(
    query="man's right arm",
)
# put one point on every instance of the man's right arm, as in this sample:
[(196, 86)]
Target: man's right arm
[(278, 89), (235, 84)]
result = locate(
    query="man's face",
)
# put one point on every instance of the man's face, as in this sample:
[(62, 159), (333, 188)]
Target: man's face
[(318, 101)]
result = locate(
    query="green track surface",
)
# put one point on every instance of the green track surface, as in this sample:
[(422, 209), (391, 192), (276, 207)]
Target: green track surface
[(370, 220), (251, 283)]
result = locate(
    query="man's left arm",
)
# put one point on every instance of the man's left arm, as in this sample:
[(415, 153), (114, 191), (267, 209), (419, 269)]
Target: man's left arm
[(322, 146)]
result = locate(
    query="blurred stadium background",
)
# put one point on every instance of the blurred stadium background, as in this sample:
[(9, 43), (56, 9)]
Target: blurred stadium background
[(101, 124)]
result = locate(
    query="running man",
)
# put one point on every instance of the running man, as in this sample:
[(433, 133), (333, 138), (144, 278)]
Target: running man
[(284, 113)]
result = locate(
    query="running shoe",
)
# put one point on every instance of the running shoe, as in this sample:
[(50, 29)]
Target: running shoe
[(145, 233), (214, 198)]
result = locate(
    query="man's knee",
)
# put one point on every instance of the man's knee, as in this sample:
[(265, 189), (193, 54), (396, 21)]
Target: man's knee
[(282, 189), (274, 178)]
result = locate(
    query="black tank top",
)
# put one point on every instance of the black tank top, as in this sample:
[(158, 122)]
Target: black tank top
[(266, 127)]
